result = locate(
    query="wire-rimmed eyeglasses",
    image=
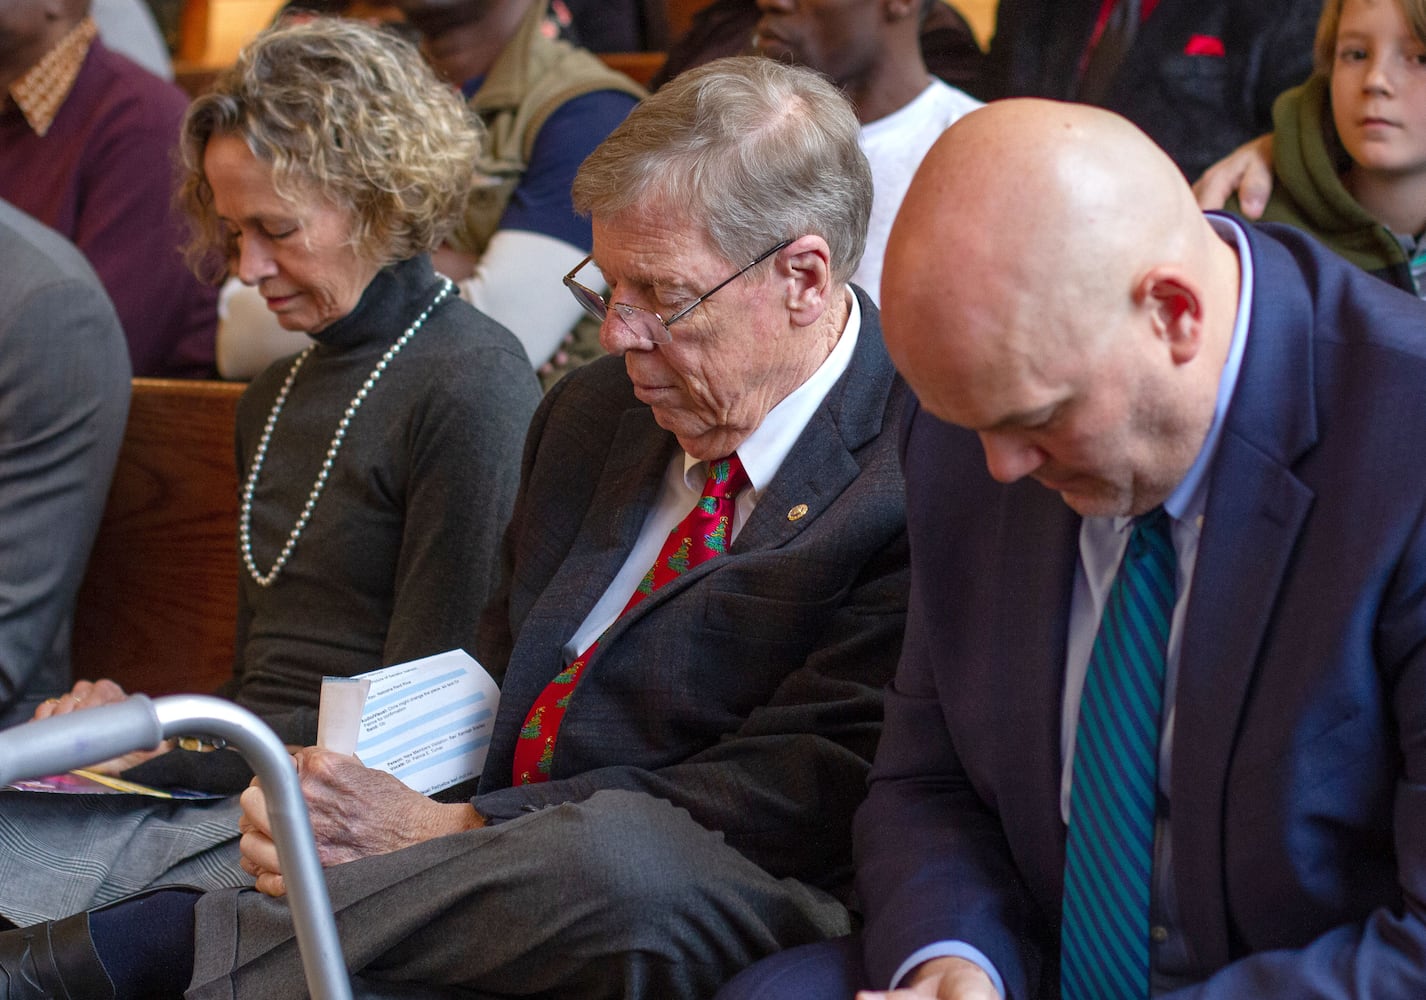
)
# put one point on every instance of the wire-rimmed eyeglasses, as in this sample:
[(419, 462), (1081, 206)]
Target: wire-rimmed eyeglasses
[(643, 322)]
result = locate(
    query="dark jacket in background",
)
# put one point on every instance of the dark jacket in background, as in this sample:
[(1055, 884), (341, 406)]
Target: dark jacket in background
[(1200, 77)]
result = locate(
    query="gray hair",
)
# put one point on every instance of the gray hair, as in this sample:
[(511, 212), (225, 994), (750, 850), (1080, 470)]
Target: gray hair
[(350, 113), (757, 150)]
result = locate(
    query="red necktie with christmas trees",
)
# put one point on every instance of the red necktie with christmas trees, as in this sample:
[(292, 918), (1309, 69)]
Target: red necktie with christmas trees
[(701, 535)]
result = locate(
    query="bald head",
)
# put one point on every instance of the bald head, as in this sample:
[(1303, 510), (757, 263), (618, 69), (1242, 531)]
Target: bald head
[(1049, 259), (1072, 164), (1062, 199)]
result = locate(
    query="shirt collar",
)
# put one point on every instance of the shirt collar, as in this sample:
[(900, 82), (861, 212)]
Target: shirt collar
[(764, 450), (42, 91)]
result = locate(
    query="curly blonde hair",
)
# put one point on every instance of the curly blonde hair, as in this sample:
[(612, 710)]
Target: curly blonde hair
[(348, 113)]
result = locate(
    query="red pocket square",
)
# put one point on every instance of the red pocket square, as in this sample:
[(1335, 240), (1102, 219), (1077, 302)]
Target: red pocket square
[(1204, 45)]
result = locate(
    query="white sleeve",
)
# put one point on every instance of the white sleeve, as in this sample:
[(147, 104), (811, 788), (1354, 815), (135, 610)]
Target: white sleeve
[(517, 283), (128, 27), (249, 337)]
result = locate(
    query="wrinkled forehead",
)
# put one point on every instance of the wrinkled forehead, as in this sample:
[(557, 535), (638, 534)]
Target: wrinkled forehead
[(651, 246)]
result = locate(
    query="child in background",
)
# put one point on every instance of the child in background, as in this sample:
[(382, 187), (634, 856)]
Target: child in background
[(1349, 145)]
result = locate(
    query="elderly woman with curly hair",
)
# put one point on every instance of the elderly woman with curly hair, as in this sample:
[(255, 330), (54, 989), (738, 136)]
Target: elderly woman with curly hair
[(377, 467)]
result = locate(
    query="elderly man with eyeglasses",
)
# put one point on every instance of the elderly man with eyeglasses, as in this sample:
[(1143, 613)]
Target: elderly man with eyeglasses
[(705, 585)]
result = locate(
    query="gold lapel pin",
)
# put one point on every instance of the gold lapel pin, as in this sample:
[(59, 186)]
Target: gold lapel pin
[(797, 513)]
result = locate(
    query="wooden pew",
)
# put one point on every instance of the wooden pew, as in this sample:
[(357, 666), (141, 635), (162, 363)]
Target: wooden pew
[(196, 78), (157, 607), (638, 66)]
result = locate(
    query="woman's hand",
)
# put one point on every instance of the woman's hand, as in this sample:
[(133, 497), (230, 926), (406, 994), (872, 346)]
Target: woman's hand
[(84, 694), (96, 694)]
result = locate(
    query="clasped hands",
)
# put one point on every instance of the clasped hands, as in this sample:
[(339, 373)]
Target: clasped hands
[(356, 812)]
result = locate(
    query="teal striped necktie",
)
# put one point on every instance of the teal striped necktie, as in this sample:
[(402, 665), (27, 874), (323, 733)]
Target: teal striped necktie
[(1109, 853)]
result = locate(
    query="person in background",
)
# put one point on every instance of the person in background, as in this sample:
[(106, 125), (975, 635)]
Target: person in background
[(949, 46), (381, 13), (724, 27), (545, 105), (1349, 146), (378, 467), (64, 396), (128, 28), (872, 50), (1199, 76), (613, 25), (87, 140), (703, 595)]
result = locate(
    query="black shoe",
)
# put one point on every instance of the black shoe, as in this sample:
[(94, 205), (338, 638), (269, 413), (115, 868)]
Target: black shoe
[(52, 961)]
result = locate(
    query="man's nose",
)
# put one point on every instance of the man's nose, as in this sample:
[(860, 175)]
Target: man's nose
[(1008, 457), (617, 337)]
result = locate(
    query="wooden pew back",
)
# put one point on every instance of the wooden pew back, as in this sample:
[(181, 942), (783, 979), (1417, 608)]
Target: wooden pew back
[(196, 78), (157, 608), (637, 66)]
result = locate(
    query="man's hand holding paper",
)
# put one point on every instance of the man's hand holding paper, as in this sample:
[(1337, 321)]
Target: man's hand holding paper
[(425, 722), (355, 811)]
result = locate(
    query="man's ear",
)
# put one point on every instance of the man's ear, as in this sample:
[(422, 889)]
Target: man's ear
[(804, 267), (1175, 305)]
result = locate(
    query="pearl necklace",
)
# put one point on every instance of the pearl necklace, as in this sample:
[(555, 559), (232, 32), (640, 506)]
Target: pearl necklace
[(250, 486)]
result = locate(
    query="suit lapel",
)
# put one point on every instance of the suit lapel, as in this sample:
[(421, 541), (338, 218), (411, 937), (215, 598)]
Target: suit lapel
[(628, 487), (1256, 510), (1043, 535), (814, 474), (823, 463)]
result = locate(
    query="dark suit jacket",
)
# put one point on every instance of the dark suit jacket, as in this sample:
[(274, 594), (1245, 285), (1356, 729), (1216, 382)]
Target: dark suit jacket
[(747, 691), (1198, 107), (1298, 790)]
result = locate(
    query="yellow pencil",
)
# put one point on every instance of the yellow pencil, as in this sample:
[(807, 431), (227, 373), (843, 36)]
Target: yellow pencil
[(120, 785)]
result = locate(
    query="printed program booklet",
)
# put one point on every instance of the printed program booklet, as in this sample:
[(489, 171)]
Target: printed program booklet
[(428, 721)]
